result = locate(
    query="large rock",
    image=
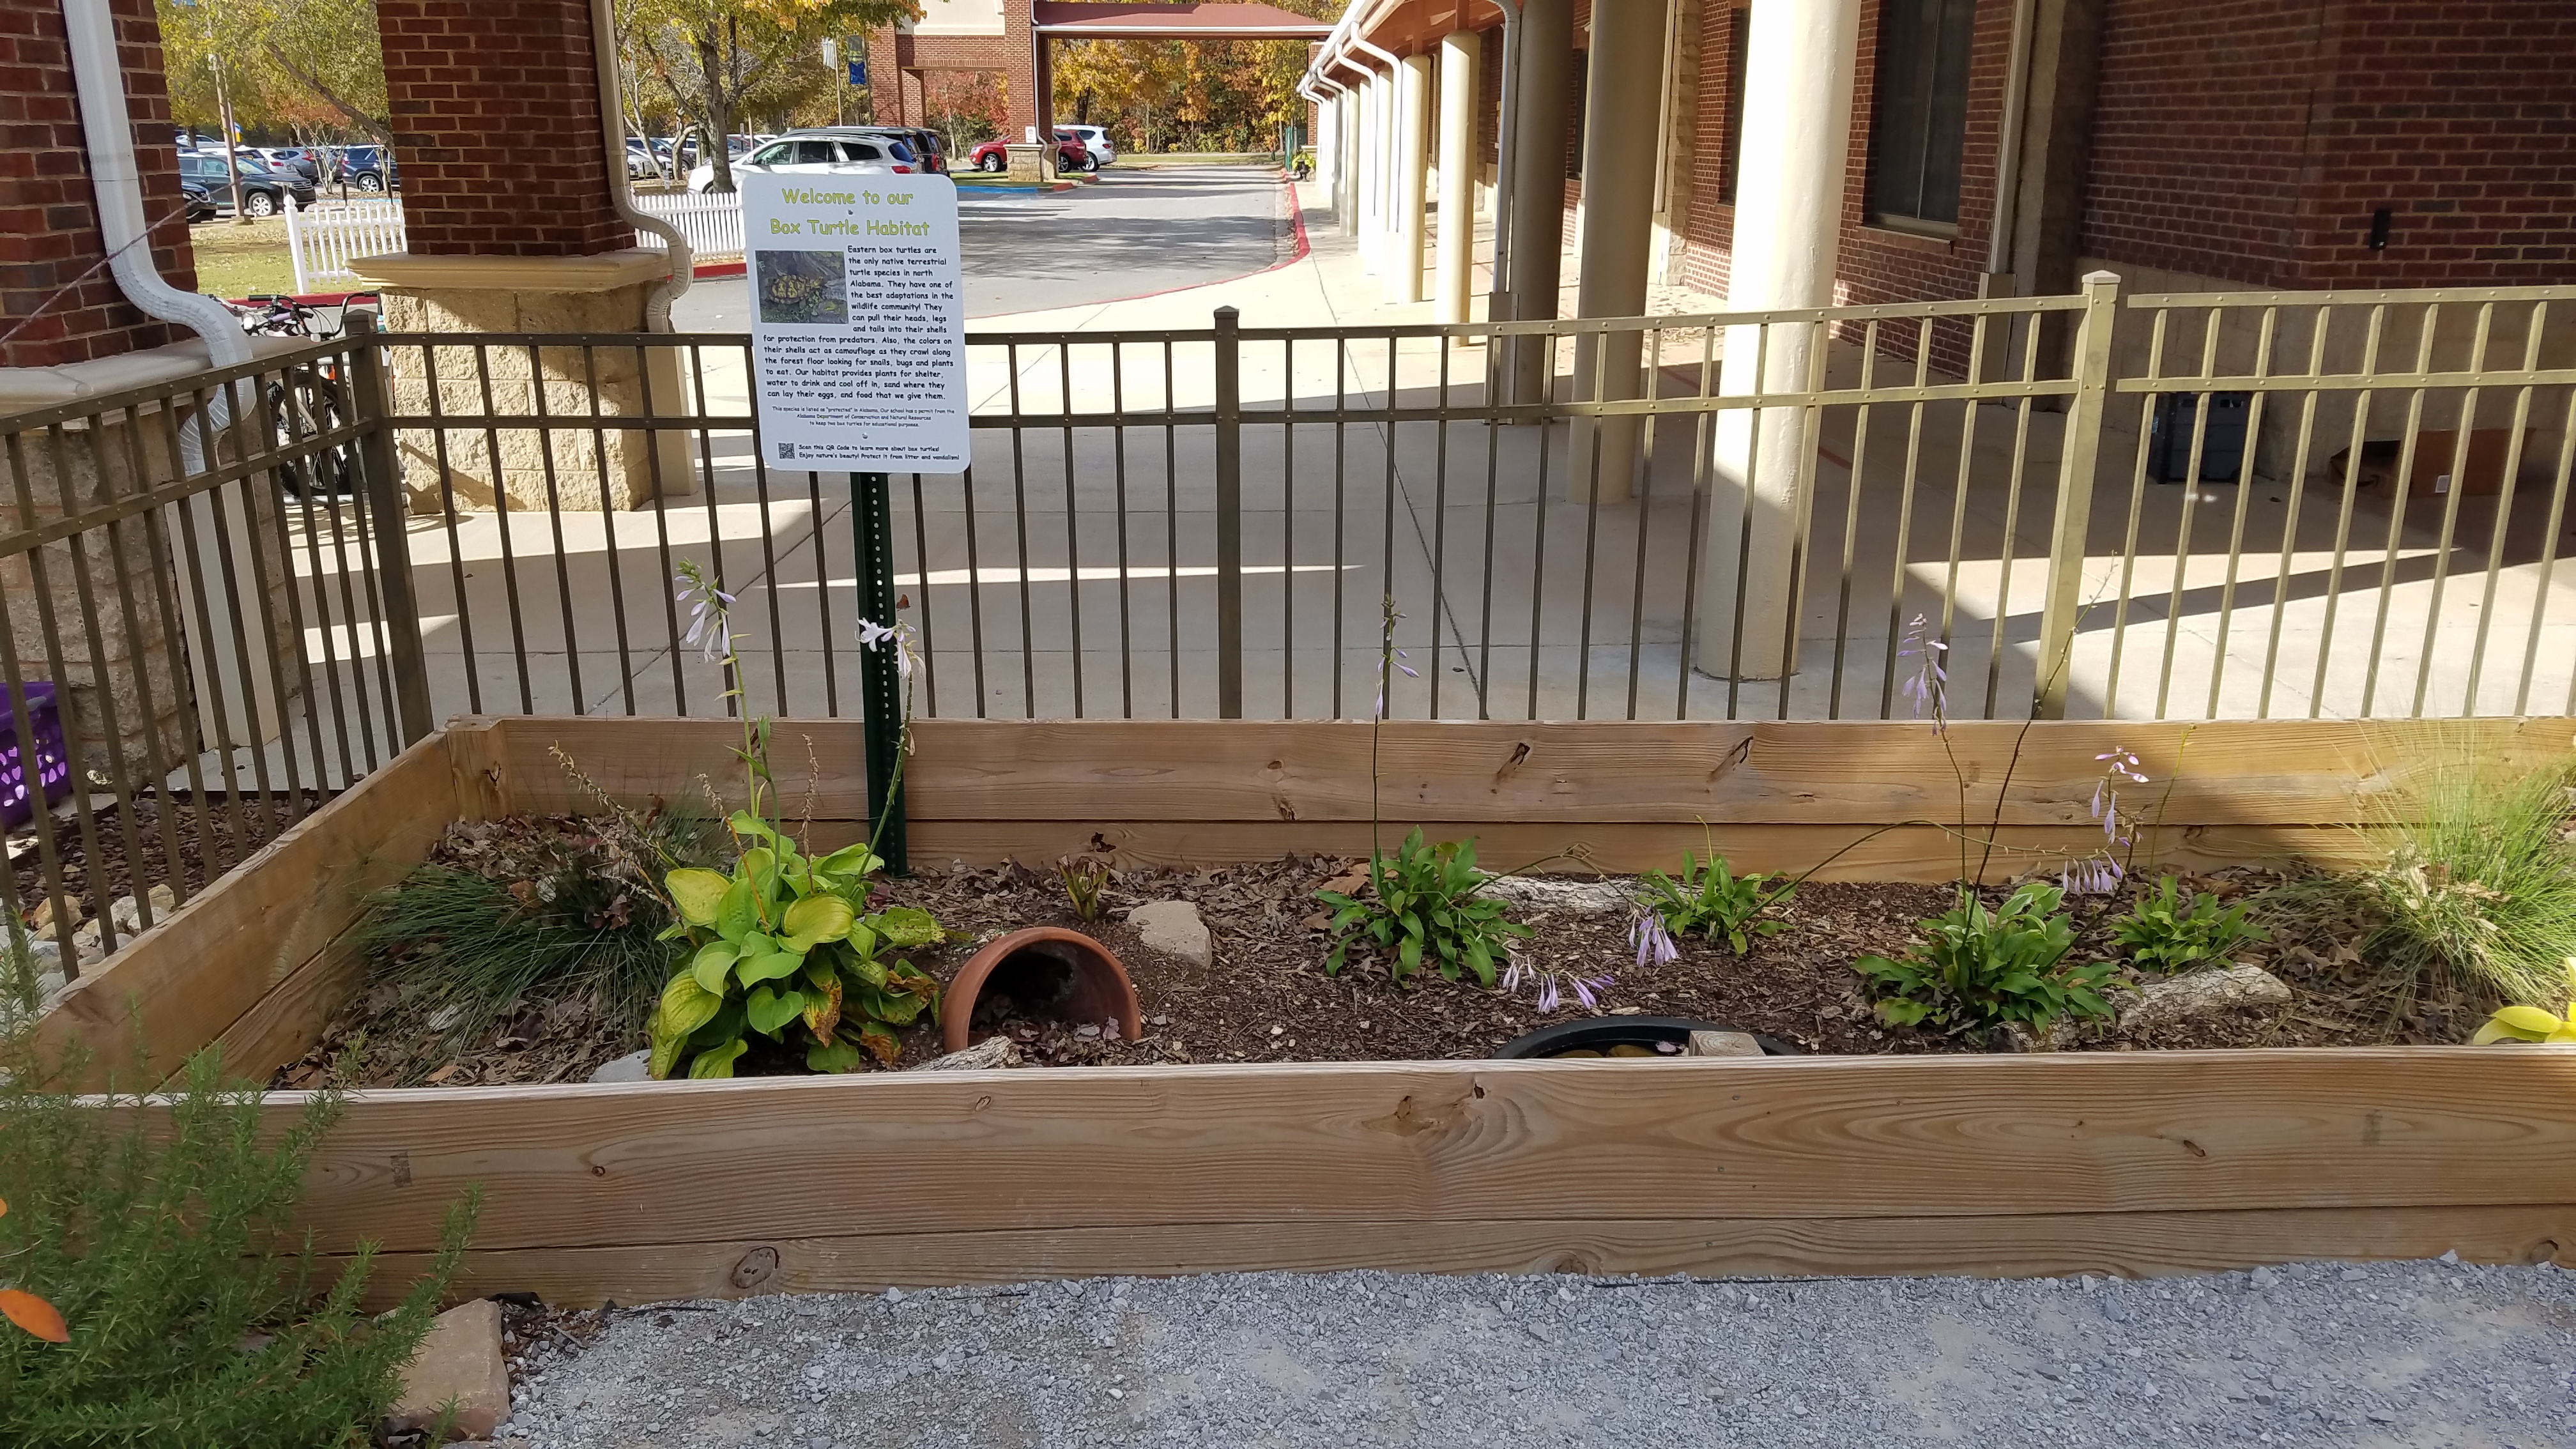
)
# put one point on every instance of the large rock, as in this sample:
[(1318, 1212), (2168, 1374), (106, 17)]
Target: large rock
[(460, 1360), (2201, 994), (991, 1052), (1173, 928)]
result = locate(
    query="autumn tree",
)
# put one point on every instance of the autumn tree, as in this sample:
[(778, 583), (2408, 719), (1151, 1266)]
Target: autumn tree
[(726, 59)]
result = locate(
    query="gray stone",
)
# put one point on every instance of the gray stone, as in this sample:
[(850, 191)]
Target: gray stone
[(991, 1052), (1573, 897), (1173, 928), (2202, 994), (633, 1067)]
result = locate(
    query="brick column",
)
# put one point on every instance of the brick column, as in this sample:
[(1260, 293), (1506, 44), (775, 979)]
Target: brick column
[(511, 227), (57, 302), (885, 78), (1027, 98)]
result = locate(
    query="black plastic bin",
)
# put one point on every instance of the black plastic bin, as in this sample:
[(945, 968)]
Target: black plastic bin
[(2222, 445)]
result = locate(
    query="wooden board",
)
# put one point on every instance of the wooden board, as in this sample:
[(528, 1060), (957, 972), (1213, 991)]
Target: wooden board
[(1460, 1143), (219, 957), (2135, 1245), (1907, 853)]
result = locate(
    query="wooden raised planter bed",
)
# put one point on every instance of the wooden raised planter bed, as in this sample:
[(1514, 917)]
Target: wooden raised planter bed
[(2137, 1162)]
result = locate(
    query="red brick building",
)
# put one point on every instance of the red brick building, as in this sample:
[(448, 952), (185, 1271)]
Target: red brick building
[(2188, 146)]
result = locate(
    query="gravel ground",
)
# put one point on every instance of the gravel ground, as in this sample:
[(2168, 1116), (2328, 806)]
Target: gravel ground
[(2411, 1354)]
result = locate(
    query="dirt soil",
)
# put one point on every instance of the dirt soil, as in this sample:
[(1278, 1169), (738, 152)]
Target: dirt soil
[(205, 839), (1265, 995)]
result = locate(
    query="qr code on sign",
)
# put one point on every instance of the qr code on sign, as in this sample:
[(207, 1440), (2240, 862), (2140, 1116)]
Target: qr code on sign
[(787, 452)]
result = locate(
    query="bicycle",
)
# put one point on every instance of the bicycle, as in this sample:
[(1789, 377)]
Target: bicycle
[(306, 401)]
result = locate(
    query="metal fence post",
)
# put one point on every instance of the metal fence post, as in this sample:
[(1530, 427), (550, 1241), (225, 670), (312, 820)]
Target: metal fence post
[(2082, 451), (881, 667), (380, 469), (1229, 515)]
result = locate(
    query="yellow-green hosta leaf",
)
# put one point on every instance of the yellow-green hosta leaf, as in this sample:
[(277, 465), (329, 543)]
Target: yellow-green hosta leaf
[(814, 920), (849, 860), (746, 823), (711, 964), (2528, 1022), (833, 1055), (757, 865), (2564, 1033), (768, 966), (907, 928), (2495, 1031), (769, 1010), (738, 914), (697, 894), (684, 1008), (716, 1061)]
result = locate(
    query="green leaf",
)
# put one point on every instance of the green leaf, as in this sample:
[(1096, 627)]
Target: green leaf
[(696, 894), (711, 965), (850, 861), (768, 966), (835, 1055), (1333, 958), (866, 970), (814, 920), (738, 914), (744, 822), (1410, 953), (717, 1061), (1903, 1013), (2528, 1022), (907, 928), (768, 1011)]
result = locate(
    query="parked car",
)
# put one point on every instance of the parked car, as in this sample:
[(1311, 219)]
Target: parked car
[(369, 168), (200, 200), (923, 142), (298, 161), (996, 156), (851, 152), (264, 192), (1094, 139)]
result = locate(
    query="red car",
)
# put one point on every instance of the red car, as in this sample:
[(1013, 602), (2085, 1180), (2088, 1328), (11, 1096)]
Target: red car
[(1070, 155)]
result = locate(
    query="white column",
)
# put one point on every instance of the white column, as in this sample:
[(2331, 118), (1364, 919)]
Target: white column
[(1788, 230), (1371, 167), (1460, 53), (1412, 133), (1616, 231), (1326, 142), (1346, 195)]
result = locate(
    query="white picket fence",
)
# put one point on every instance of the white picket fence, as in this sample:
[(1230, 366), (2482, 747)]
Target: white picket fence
[(326, 237)]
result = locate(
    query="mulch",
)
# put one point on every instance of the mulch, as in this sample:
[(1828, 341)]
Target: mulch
[(1265, 995), (210, 840)]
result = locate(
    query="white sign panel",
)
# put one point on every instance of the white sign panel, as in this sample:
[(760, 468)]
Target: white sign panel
[(858, 322)]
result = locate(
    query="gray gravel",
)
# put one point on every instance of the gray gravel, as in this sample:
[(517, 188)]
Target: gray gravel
[(2411, 1354)]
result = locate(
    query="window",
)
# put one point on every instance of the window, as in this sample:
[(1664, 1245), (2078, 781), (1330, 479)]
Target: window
[(1919, 123), (1739, 44), (778, 155), (816, 153), (860, 151)]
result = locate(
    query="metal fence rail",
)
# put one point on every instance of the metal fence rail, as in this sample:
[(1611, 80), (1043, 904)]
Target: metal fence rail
[(1786, 515)]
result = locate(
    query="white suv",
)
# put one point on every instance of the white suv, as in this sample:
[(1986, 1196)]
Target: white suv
[(837, 154), (1094, 139)]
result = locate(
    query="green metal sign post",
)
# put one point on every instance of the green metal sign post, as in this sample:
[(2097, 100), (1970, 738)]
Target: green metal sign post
[(881, 692)]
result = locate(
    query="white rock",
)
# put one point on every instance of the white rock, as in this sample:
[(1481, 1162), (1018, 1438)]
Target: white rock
[(1574, 897), (2200, 994), (633, 1067), (1173, 928)]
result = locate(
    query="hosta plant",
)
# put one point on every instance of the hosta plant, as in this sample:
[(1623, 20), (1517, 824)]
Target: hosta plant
[(1423, 906), (2170, 930), (1716, 902), (1975, 969), (2533, 1023), (783, 946)]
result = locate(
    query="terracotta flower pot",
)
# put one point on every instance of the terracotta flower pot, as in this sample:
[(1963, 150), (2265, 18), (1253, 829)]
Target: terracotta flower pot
[(1050, 972)]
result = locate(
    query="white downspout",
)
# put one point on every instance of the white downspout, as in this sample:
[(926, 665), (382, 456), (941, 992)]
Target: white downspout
[(612, 126), (98, 77)]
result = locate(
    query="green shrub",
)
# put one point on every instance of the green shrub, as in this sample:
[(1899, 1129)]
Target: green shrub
[(2168, 931), (1423, 906), (195, 1316), (1975, 969), (1714, 901), (2478, 895)]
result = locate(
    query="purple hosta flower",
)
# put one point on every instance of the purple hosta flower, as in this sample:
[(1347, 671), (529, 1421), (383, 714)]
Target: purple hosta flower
[(1548, 998), (1653, 940), (1409, 671), (1928, 684), (1588, 989), (2095, 875), (2123, 766), (707, 607), (873, 635)]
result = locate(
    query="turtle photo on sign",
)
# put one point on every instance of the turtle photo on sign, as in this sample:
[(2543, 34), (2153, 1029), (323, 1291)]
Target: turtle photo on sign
[(801, 288)]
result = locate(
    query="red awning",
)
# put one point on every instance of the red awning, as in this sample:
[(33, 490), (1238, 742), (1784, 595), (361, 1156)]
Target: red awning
[(1215, 20)]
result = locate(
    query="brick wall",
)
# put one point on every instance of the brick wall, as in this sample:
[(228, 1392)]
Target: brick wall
[(2460, 119), (1709, 227), (496, 120), (57, 303)]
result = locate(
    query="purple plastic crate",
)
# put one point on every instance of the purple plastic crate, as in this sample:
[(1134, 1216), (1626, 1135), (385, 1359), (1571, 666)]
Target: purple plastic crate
[(53, 762)]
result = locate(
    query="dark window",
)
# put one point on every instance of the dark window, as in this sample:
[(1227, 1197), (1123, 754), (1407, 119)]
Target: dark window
[(857, 151), (815, 153), (1919, 124), (1739, 40)]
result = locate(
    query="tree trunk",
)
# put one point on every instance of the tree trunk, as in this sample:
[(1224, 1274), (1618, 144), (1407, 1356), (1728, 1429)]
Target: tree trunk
[(718, 114)]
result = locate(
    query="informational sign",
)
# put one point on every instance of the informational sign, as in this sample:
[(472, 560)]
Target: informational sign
[(858, 321), (858, 72)]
